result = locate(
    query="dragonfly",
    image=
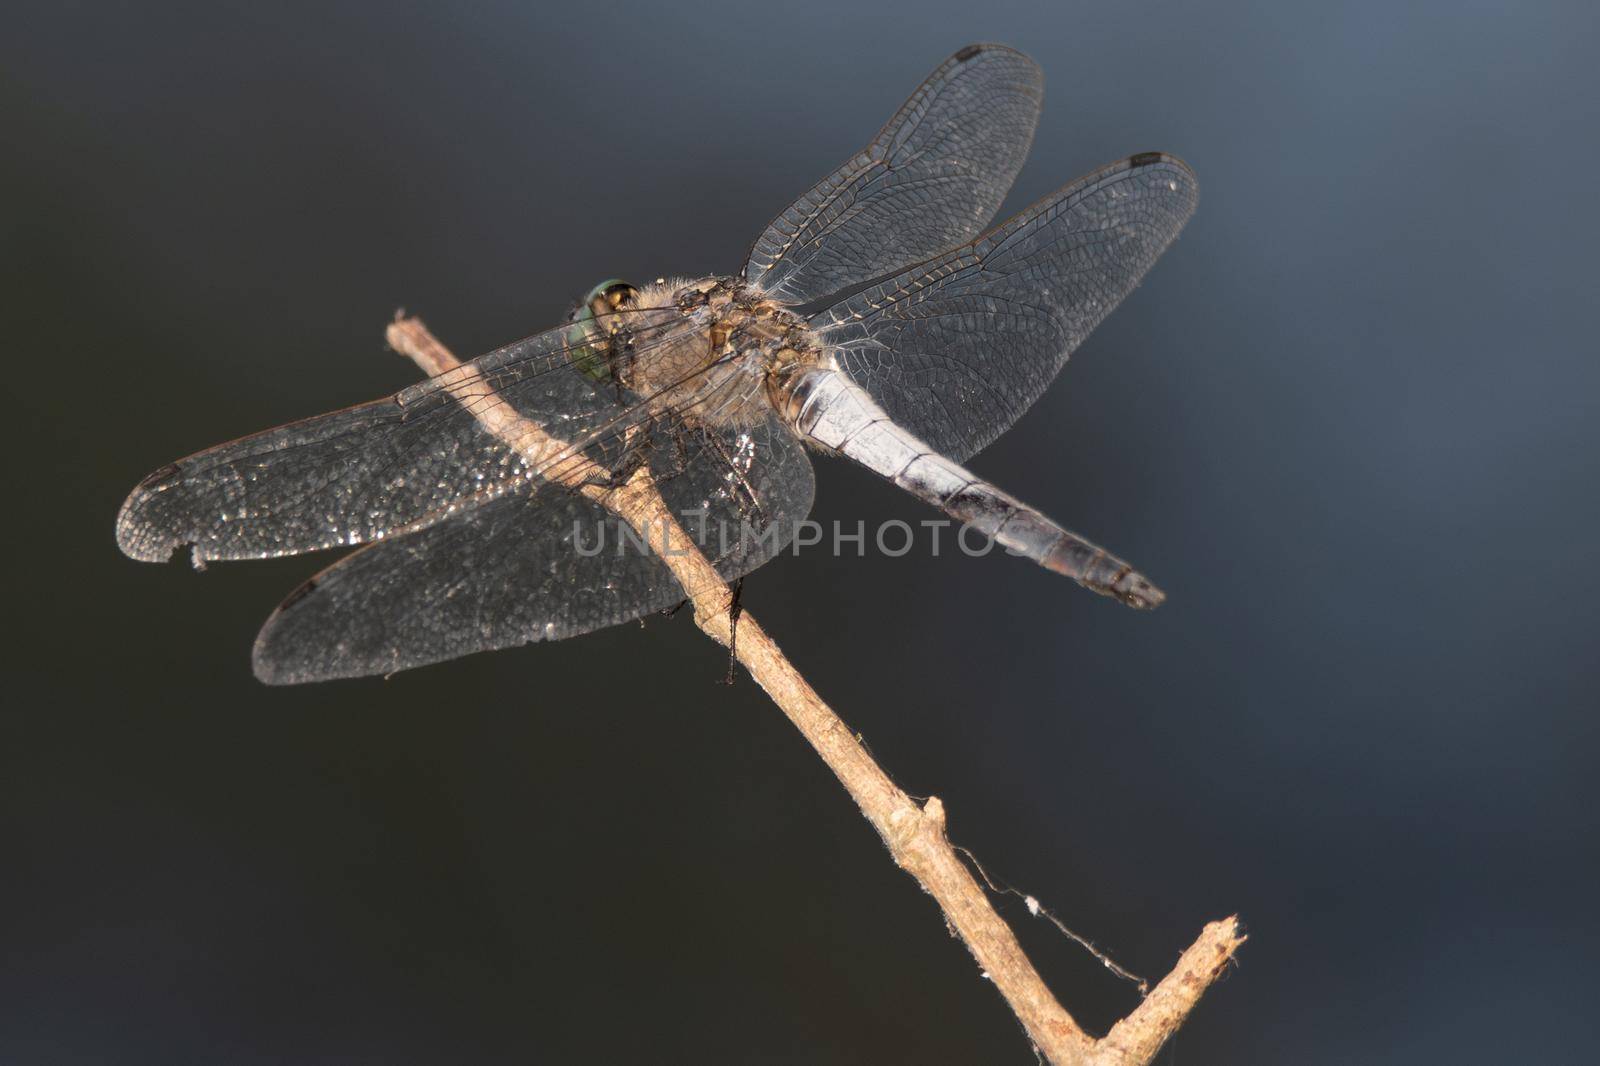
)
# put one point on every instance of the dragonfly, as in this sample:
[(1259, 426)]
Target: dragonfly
[(879, 317)]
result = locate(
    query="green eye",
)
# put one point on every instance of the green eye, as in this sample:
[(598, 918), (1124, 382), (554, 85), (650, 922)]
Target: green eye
[(591, 328), (613, 294)]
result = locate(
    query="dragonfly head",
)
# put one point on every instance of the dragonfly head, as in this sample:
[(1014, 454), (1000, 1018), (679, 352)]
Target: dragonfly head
[(593, 322)]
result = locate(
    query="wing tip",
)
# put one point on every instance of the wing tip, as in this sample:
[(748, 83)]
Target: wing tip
[(267, 660), (967, 53), (978, 49), (1139, 160), (271, 667), (140, 534), (268, 672), (291, 650), (137, 537), (139, 546), (1191, 181)]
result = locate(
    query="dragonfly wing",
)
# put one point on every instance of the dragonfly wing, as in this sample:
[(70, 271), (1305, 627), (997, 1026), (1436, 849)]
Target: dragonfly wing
[(956, 349), (366, 472), (932, 178), (540, 563)]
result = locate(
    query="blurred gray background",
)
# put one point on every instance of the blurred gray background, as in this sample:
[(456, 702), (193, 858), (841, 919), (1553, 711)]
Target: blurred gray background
[(1348, 423)]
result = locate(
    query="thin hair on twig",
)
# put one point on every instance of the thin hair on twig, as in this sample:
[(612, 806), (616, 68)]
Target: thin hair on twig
[(1038, 910)]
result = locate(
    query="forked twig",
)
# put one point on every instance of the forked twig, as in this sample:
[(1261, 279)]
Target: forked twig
[(915, 836)]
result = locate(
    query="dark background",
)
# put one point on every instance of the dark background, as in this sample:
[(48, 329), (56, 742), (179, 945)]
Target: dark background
[(1348, 423)]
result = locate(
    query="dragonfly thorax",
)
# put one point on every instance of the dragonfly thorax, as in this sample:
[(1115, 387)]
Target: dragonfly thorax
[(712, 351)]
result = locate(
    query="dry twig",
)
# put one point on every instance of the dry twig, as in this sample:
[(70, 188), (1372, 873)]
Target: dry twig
[(915, 835)]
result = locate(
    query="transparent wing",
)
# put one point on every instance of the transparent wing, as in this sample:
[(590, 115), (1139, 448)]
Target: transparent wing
[(541, 563), (957, 348), (370, 471), (932, 178)]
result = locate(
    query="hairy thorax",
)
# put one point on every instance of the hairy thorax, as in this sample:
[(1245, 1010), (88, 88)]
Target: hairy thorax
[(714, 351)]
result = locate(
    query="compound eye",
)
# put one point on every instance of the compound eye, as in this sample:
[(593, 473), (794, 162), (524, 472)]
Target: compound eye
[(610, 295), (618, 294)]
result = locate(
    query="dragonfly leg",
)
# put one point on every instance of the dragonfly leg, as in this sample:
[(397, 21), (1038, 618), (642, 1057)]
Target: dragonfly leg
[(633, 458), (735, 609), (680, 452)]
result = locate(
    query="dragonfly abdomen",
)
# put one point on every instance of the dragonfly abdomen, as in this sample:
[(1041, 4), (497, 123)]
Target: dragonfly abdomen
[(828, 408)]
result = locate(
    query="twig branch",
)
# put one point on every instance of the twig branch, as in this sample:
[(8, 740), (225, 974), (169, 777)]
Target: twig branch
[(914, 835)]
